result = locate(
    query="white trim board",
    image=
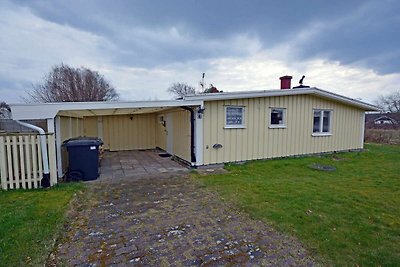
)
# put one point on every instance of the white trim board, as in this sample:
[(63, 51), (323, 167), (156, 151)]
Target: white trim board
[(50, 110), (283, 92)]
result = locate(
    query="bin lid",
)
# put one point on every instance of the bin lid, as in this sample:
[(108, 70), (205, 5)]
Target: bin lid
[(83, 141)]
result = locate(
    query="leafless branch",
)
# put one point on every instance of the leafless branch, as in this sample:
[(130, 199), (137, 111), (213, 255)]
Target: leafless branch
[(67, 84)]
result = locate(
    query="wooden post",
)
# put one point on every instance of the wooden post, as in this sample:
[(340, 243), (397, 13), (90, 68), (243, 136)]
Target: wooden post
[(9, 163), (28, 162), (34, 160), (21, 162), (3, 165), (40, 160), (52, 159)]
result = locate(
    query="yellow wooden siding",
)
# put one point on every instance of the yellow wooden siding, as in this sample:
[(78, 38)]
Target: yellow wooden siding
[(161, 133), (181, 134), (90, 126), (129, 132), (257, 140), (143, 131), (70, 128)]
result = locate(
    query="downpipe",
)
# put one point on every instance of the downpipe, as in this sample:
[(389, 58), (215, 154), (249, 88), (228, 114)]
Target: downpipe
[(45, 182)]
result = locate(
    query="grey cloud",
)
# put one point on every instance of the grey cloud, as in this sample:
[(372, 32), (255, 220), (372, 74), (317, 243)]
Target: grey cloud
[(271, 22), (159, 34), (366, 37)]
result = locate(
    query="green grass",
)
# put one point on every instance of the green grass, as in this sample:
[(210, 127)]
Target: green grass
[(30, 220), (345, 218)]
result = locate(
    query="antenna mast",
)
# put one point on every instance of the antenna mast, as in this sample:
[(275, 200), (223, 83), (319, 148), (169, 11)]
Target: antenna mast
[(202, 83)]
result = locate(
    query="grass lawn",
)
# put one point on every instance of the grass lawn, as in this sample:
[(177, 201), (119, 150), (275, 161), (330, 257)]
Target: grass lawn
[(347, 217), (29, 220)]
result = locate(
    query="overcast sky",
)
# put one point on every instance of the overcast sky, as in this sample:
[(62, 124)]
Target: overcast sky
[(142, 47)]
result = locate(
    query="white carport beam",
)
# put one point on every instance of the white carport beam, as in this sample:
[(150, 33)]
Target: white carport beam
[(51, 110), (92, 112)]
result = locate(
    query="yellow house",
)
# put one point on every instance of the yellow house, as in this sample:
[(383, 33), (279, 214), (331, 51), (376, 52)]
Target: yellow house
[(213, 128)]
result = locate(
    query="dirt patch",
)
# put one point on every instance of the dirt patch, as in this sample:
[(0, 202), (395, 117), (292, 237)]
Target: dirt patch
[(169, 220)]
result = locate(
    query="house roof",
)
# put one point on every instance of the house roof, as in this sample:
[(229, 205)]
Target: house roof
[(376, 116), (285, 92), (80, 109), (385, 118)]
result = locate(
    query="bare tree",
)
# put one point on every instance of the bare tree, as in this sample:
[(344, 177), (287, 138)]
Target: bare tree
[(67, 84), (181, 89), (390, 102)]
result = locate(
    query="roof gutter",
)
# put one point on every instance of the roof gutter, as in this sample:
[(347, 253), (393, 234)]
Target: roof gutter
[(46, 172)]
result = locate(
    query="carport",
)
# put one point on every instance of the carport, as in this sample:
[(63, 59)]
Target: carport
[(173, 126)]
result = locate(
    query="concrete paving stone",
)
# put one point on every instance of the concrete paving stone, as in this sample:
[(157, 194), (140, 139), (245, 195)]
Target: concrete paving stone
[(119, 165), (169, 219), (125, 250)]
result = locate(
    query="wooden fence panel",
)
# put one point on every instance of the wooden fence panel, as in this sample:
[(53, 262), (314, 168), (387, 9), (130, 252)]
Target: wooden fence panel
[(15, 160), (9, 162), (28, 160), (3, 164), (21, 163), (34, 160)]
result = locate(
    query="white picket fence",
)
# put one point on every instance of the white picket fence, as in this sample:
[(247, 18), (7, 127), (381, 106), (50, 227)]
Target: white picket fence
[(21, 163)]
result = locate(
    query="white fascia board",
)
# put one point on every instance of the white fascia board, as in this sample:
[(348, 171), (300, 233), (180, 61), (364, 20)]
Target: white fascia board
[(284, 92), (348, 100), (248, 94), (50, 110), (33, 112)]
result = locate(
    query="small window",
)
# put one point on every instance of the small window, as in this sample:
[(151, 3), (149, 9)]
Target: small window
[(277, 118), (322, 122), (234, 117)]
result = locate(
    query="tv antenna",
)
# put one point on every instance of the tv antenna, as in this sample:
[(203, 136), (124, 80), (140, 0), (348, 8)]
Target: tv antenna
[(202, 82)]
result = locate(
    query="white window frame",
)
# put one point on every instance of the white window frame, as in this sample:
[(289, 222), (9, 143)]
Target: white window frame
[(321, 122), (274, 126), (236, 126)]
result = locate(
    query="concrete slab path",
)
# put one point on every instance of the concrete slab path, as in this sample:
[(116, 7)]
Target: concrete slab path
[(136, 163), (168, 220)]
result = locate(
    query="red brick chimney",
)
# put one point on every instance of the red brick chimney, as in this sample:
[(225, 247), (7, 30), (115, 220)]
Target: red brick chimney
[(285, 82)]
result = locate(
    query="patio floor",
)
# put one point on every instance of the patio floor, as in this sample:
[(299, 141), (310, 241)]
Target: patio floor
[(137, 163)]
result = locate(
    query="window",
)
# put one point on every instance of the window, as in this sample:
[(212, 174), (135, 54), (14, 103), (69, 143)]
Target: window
[(277, 118), (322, 122), (234, 117)]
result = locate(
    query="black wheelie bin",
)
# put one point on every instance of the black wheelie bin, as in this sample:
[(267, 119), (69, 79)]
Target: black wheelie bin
[(83, 158)]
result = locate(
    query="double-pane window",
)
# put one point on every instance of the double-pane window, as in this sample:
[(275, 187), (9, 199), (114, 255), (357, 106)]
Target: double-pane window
[(322, 121), (277, 118)]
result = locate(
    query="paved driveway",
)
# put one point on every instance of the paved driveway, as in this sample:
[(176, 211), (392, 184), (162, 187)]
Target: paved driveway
[(138, 163), (168, 220)]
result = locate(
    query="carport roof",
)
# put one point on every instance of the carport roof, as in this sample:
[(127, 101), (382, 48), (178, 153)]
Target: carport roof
[(80, 109)]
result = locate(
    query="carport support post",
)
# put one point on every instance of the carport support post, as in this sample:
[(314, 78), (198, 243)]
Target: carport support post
[(52, 151), (58, 147), (199, 136)]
